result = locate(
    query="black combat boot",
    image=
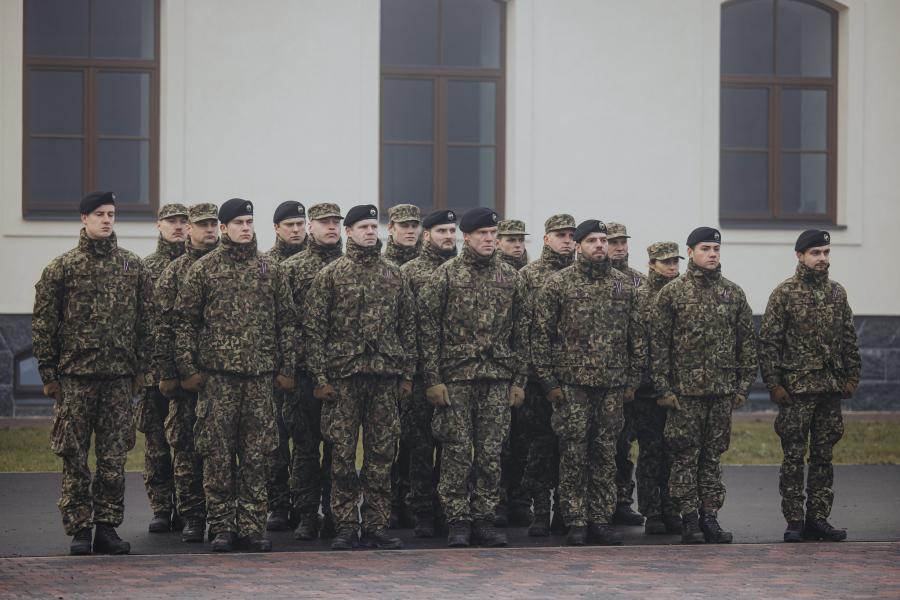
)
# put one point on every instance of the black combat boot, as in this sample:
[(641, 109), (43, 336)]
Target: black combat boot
[(81, 542), (520, 516), (625, 515), (540, 527), (484, 534), (794, 532), (460, 534), (712, 532), (673, 524), (381, 539), (161, 522), (254, 543), (577, 535), (821, 529), (690, 529), (424, 527), (604, 535), (107, 541), (308, 527), (278, 520), (501, 516), (345, 539), (654, 525), (558, 524), (223, 542), (194, 530)]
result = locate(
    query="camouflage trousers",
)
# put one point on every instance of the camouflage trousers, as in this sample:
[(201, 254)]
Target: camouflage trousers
[(624, 465), (542, 465), (654, 460), (697, 436), (588, 422), (187, 463), (152, 410), (367, 402), (513, 458), (471, 431), (424, 455), (235, 432), (279, 462), (814, 420), (102, 408), (310, 479)]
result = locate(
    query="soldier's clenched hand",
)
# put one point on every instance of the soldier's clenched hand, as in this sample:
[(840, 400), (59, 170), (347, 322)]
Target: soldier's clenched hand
[(438, 395), (738, 401), (780, 396), (629, 394), (284, 383), (556, 396), (516, 396), (404, 389), (168, 387), (669, 401), (850, 388), (324, 392), (194, 383), (52, 390)]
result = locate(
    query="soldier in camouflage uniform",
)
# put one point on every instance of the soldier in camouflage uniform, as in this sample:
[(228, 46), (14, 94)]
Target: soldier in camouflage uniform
[(650, 419), (289, 221), (542, 463), (310, 481), (438, 246), (810, 360), (514, 507), (153, 407), (187, 465), (625, 515), (234, 334), (360, 328), (703, 361), (589, 350), (472, 325), (90, 331)]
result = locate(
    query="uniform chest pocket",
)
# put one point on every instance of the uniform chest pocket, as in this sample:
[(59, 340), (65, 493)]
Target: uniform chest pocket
[(691, 327)]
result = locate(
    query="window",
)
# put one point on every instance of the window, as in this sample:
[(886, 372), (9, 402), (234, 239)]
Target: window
[(91, 105), (442, 98), (778, 112), (27, 381)]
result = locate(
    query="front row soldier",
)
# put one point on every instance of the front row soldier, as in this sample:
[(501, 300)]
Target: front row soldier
[(810, 360), (187, 465), (704, 360), (235, 321), (360, 327), (91, 338), (589, 351), (471, 337), (438, 246)]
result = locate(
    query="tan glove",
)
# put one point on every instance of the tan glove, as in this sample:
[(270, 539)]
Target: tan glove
[(669, 401), (194, 383), (404, 389), (53, 390), (556, 396), (438, 395), (850, 388), (284, 383), (168, 387), (324, 393), (516, 396), (628, 396), (738, 401), (780, 396)]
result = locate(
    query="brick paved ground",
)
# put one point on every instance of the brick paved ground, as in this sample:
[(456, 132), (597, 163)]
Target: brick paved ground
[(818, 571)]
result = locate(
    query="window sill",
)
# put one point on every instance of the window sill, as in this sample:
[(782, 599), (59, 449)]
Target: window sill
[(784, 224)]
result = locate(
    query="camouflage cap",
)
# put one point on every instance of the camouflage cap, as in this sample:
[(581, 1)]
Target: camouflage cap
[(172, 210), (560, 221), (401, 213), (616, 230), (323, 210), (203, 212), (511, 227), (663, 250)]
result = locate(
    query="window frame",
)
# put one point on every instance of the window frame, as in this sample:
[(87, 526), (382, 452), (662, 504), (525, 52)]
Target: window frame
[(21, 390), (90, 67), (775, 85)]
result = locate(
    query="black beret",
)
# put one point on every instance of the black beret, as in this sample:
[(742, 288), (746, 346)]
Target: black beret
[(812, 238), (360, 213), (92, 201), (439, 217), (289, 210), (478, 218), (704, 234), (588, 227), (234, 208)]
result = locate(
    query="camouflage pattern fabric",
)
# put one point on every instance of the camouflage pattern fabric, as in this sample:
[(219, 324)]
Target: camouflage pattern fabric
[(812, 420), (400, 255), (282, 251), (471, 432), (513, 459), (513, 261), (102, 408)]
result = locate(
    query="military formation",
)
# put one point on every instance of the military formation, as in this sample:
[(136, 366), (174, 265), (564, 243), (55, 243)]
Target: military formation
[(483, 390)]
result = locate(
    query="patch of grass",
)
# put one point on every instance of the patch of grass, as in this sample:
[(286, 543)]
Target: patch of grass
[(27, 449)]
